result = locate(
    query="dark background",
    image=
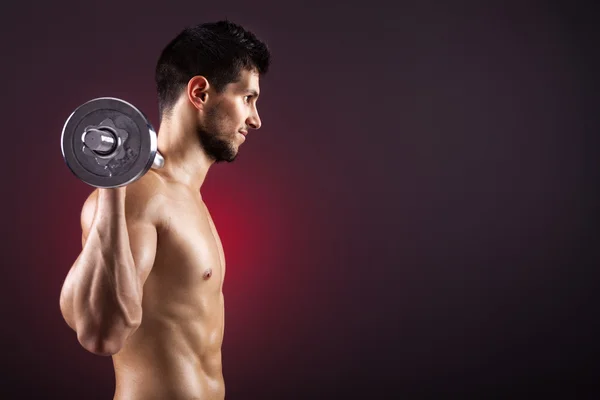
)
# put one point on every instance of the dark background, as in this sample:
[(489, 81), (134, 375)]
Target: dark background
[(416, 217)]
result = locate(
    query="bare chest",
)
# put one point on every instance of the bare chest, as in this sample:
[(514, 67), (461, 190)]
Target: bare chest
[(189, 250)]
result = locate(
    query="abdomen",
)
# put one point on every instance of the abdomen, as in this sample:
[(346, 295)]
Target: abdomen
[(172, 355)]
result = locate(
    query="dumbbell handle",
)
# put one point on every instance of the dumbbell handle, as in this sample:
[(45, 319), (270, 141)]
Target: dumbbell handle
[(100, 140), (158, 161), (104, 142)]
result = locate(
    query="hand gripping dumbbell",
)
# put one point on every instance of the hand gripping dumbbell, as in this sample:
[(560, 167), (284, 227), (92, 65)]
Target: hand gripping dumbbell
[(107, 143)]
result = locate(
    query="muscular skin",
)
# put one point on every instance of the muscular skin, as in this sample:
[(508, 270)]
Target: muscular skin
[(147, 286), (175, 353)]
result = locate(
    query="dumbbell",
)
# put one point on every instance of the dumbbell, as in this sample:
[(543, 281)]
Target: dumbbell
[(107, 143)]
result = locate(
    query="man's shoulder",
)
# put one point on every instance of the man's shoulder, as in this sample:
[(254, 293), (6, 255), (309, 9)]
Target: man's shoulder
[(144, 199), (145, 188), (145, 196)]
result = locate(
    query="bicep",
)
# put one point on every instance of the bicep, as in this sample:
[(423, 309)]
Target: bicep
[(141, 226), (141, 230), (88, 211), (143, 238)]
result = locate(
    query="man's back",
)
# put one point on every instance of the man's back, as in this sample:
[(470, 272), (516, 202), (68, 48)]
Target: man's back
[(175, 353)]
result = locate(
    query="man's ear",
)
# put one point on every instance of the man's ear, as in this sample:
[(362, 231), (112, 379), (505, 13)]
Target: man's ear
[(197, 91)]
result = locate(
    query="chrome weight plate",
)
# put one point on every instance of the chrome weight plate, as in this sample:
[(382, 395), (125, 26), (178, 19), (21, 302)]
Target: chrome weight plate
[(107, 142)]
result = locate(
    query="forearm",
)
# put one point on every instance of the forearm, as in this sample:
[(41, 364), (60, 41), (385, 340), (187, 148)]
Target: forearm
[(101, 298)]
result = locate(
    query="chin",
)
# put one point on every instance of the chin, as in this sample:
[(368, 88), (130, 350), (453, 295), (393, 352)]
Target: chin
[(228, 156)]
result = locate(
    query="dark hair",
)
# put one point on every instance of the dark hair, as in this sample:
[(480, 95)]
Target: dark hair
[(216, 50)]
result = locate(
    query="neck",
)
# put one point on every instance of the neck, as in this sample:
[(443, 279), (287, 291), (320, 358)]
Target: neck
[(185, 160)]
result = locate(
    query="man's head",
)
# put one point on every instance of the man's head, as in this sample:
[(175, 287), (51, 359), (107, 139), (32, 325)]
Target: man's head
[(215, 67)]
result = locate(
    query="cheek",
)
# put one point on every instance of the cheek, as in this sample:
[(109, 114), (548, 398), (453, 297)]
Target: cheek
[(224, 120), (240, 114), (231, 118), (234, 116)]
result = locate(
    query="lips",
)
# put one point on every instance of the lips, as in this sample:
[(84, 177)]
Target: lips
[(244, 133)]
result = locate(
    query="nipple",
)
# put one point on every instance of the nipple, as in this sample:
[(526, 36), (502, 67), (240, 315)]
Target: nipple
[(207, 274)]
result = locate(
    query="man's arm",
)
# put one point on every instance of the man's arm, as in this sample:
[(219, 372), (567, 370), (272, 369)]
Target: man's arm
[(101, 298)]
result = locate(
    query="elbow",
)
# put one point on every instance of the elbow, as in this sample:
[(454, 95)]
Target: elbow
[(104, 334), (100, 346), (104, 345)]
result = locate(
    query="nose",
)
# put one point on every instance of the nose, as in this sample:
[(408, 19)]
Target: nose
[(254, 120)]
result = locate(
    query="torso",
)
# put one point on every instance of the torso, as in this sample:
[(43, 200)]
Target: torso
[(176, 351)]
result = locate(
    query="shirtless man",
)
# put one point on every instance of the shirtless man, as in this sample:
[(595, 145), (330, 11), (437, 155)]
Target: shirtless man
[(146, 288)]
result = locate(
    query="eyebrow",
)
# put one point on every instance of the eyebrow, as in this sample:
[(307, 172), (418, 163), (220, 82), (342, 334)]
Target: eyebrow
[(253, 92)]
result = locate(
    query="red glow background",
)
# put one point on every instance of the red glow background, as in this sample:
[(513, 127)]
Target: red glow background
[(417, 216)]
